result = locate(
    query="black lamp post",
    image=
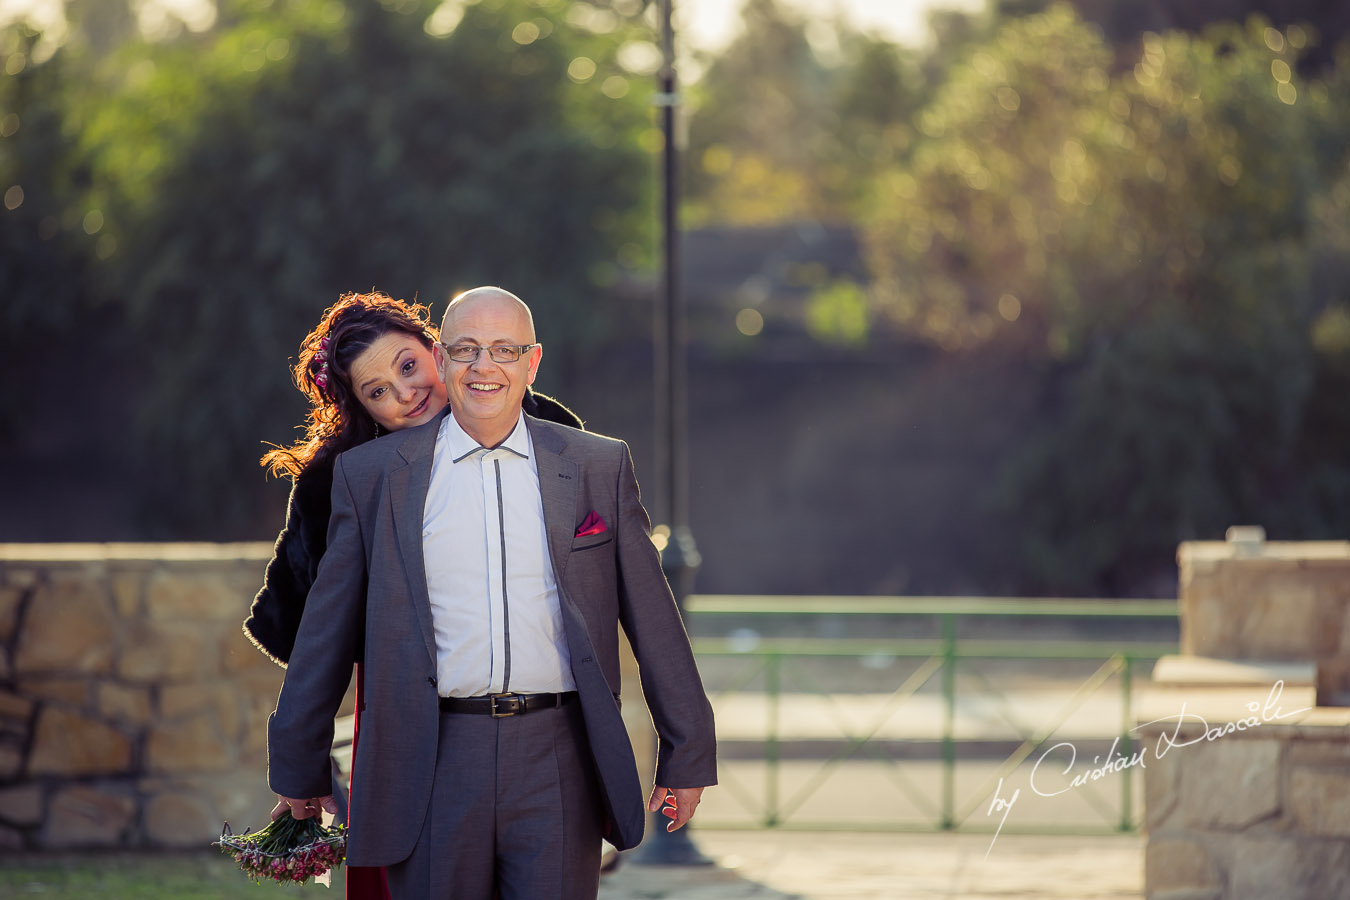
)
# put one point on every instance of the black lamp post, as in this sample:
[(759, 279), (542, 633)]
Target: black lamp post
[(679, 557), (668, 332)]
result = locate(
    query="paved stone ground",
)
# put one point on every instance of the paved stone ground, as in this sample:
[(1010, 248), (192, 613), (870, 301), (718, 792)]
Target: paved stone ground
[(833, 865), (775, 865)]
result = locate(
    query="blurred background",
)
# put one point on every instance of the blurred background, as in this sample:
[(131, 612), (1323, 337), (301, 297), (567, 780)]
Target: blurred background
[(1004, 299)]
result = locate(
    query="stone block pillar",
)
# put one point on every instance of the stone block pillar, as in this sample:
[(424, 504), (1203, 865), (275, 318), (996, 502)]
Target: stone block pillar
[(1247, 766), (1252, 599)]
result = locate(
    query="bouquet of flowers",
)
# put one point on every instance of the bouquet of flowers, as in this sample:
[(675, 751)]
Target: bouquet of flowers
[(288, 849)]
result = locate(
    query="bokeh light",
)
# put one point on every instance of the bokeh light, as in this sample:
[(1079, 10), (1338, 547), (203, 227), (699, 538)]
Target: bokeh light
[(749, 322), (581, 69)]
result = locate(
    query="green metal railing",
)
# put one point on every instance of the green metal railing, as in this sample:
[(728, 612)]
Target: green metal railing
[(944, 655)]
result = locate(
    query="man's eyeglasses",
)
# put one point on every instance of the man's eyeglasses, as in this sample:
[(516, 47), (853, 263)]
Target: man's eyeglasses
[(498, 353)]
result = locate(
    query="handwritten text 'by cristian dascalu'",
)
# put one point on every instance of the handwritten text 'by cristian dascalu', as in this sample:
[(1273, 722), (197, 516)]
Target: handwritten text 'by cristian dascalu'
[(1116, 762)]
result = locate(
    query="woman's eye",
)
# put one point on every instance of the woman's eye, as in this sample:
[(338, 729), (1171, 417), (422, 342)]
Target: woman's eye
[(375, 394), (409, 366)]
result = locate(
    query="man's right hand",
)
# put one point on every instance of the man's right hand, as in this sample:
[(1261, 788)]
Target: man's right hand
[(303, 809)]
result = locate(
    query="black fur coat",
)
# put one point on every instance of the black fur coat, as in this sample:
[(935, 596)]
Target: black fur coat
[(274, 618)]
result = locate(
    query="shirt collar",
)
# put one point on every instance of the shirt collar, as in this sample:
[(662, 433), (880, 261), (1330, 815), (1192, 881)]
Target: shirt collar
[(462, 446)]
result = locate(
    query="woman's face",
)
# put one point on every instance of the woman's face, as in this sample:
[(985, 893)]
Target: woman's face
[(397, 382)]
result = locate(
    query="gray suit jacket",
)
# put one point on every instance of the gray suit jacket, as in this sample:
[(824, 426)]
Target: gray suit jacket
[(372, 580)]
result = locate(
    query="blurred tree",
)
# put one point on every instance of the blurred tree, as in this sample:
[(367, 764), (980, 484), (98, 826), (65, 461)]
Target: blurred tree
[(99, 27), (1123, 21), (953, 32), (797, 116), (962, 233), (1324, 493), (875, 95), (759, 111), (250, 174), (45, 228), (1147, 236)]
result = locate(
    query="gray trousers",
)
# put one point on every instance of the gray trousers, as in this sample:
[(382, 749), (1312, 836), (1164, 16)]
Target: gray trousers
[(515, 812)]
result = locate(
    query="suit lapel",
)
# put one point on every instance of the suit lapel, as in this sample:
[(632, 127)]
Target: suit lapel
[(408, 494), (557, 490)]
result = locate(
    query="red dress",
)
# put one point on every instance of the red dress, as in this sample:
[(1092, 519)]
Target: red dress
[(363, 882)]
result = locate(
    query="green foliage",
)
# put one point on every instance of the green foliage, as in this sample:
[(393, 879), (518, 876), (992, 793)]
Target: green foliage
[(838, 313), (758, 111), (44, 219), (1150, 233), (1169, 435), (1096, 201), (244, 177), (1124, 21), (794, 117), (42, 224), (978, 211)]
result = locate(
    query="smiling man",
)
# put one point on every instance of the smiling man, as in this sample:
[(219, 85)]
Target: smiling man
[(487, 560)]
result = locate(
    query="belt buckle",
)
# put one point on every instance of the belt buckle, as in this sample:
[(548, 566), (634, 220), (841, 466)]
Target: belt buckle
[(512, 701)]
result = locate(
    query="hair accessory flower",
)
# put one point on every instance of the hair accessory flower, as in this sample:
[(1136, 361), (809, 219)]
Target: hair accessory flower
[(321, 379)]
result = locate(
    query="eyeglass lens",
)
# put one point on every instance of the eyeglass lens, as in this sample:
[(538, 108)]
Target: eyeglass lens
[(498, 352)]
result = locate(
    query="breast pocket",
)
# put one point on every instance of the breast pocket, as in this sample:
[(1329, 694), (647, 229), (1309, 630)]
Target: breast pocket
[(591, 541)]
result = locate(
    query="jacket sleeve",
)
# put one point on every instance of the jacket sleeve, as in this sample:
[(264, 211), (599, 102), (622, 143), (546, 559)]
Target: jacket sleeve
[(300, 730), (687, 741), (274, 617)]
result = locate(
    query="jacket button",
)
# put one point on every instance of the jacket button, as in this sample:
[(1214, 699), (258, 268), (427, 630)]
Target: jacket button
[(431, 681)]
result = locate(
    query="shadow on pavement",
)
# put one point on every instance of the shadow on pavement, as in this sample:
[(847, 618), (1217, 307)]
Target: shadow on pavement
[(638, 882)]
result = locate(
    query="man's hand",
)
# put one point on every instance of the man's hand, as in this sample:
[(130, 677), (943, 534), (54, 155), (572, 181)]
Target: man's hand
[(303, 809), (679, 804)]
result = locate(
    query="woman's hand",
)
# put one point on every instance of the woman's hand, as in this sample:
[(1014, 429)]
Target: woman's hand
[(678, 804)]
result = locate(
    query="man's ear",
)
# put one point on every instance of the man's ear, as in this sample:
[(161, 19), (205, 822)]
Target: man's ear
[(536, 355), (439, 357)]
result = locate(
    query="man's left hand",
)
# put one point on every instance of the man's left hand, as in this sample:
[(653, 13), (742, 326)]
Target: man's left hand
[(678, 804)]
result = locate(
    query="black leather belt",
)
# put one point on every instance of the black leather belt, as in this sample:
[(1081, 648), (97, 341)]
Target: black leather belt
[(501, 705)]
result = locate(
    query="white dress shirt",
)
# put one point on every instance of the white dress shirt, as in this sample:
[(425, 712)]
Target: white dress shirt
[(494, 599)]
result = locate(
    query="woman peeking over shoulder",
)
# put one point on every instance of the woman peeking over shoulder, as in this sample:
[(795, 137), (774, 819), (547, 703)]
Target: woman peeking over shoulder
[(366, 369)]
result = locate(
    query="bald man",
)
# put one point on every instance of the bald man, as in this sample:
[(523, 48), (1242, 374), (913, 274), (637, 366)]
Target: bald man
[(486, 561)]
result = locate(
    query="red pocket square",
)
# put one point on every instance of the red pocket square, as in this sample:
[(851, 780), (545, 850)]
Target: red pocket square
[(592, 524)]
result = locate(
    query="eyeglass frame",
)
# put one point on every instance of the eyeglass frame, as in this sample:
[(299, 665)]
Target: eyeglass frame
[(478, 351)]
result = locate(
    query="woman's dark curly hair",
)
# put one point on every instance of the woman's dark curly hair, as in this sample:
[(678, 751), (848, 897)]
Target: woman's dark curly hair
[(337, 420)]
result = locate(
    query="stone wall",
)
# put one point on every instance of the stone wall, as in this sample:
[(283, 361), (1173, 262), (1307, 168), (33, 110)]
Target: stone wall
[(1262, 811), (133, 710), (1253, 815)]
